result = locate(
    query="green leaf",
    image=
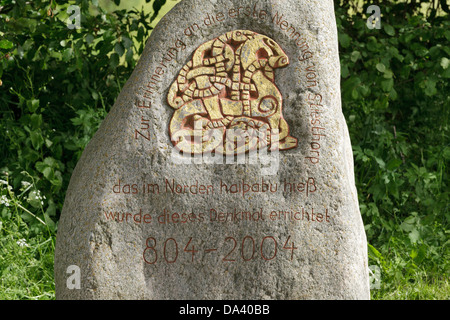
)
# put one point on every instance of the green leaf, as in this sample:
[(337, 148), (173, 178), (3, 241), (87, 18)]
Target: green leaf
[(394, 164), (406, 226), (67, 54), (393, 95), (114, 60), (380, 162), (430, 87), (389, 29), (446, 153), (355, 56), (381, 67), (47, 172), (421, 254), (388, 74), (119, 49), (51, 210), (363, 90), (71, 145), (36, 139), (375, 252), (157, 5), (33, 105), (34, 199), (446, 73), (351, 82), (387, 85), (344, 71), (344, 40), (6, 44), (89, 38), (51, 162), (447, 34), (40, 166), (413, 254), (57, 179), (445, 63), (421, 52), (49, 222), (94, 95), (414, 236), (48, 143), (127, 42), (372, 44), (349, 87), (36, 121), (129, 55), (395, 53)]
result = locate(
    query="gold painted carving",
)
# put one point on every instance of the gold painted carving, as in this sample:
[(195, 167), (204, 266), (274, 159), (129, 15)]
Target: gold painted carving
[(226, 100)]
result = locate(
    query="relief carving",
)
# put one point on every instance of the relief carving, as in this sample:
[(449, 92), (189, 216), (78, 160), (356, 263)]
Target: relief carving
[(226, 100)]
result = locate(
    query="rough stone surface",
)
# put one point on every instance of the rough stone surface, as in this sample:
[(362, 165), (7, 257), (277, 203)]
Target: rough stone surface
[(286, 226)]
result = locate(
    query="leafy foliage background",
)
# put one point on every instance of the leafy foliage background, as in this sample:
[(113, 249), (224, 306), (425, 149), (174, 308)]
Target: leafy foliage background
[(57, 84), (396, 98)]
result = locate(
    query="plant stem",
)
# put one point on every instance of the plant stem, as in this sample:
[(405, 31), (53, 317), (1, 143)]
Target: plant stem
[(29, 212)]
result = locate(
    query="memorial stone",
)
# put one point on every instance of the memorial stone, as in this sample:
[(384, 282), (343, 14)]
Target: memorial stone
[(224, 170)]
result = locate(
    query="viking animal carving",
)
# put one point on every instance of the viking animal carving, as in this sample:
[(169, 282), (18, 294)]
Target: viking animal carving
[(226, 100)]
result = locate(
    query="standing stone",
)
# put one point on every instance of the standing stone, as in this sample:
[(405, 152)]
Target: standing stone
[(224, 169)]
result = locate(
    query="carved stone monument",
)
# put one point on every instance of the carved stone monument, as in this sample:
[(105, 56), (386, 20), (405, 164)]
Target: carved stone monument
[(224, 169)]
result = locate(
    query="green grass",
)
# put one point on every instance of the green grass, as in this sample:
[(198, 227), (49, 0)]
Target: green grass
[(419, 274), (27, 246), (419, 288), (26, 262)]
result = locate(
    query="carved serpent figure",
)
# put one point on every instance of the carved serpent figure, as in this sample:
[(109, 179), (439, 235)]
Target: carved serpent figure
[(225, 97)]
